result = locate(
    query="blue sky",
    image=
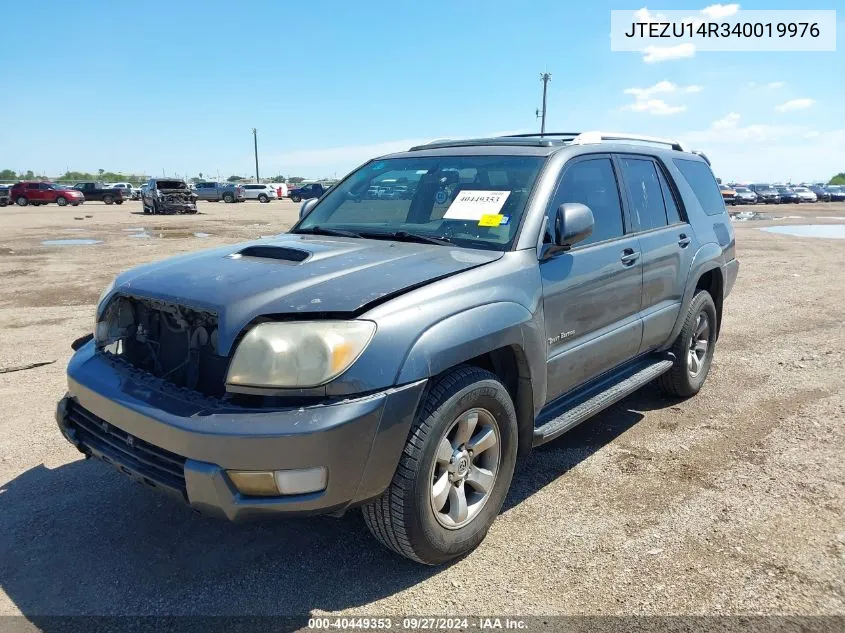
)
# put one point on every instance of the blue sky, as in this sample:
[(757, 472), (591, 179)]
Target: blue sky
[(177, 86)]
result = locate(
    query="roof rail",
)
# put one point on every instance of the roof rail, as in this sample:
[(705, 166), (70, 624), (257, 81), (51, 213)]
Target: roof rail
[(542, 135), (533, 141), (588, 138)]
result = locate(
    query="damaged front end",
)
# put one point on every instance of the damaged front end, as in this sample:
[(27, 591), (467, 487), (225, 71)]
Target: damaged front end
[(174, 343), (172, 201)]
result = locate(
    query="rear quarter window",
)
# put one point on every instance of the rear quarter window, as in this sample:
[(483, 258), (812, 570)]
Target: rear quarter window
[(703, 184)]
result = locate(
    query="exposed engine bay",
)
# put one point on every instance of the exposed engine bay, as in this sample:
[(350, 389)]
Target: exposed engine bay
[(174, 343), (173, 196)]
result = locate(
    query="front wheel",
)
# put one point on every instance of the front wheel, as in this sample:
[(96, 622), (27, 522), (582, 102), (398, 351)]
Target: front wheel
[(454, 472), (108, 199), (296, 199), (118, 201), (229, 198), (62, 202), (693, 349)]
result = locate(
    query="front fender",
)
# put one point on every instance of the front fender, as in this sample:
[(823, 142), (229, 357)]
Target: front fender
[(708, 257), (473, 332)]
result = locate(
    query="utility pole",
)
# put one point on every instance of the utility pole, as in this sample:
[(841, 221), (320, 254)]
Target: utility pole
[(255, 139), (541, 114)]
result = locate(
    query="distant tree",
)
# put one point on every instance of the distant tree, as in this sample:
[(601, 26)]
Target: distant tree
[(8, 174), (838, 179), (200, 174), (278, 178), (295, 180), (101, 171), (233, 178), (27, 175), (196, 180)]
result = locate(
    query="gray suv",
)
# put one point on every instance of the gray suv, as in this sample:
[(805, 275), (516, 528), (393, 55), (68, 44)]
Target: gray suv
[(399, 355)]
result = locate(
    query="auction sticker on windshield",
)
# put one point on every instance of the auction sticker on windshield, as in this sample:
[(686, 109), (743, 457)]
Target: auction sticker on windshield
[(472, 204)]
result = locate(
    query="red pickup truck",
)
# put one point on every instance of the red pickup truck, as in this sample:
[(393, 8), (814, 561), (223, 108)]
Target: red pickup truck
[(36, 193)]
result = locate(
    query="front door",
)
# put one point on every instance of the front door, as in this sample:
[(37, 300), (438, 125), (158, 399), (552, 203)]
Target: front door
[(592, 293)]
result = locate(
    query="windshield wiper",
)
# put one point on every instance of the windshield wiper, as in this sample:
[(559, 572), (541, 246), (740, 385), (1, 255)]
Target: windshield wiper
[(319, 230), (405, 236)]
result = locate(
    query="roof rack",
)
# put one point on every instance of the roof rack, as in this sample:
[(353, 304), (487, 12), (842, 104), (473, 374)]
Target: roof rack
[(588, 138), (532, 141)]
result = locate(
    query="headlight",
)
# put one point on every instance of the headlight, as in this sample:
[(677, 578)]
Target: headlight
[(298, 354)]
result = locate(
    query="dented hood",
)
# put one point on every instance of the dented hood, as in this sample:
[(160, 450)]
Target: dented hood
[(295, 275)]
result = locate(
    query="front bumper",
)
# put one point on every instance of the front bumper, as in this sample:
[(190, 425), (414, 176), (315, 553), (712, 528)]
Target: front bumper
[(183, 444)]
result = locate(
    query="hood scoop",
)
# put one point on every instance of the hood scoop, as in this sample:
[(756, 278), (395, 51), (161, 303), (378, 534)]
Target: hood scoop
[(280, 253)]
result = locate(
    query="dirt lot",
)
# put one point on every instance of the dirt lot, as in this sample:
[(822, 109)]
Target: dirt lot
[(732, 502)]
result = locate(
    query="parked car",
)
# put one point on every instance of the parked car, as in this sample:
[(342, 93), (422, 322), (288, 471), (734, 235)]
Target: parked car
[(787, 194), (262, 193), (804, 194), (836, 193), (167, 196), (38, 193), (399, 355), (822, 193), (4, 195), (217, 191), (766, 193), (98, 191), (728, 194), (744, 195), (129, 192), (306, 192)]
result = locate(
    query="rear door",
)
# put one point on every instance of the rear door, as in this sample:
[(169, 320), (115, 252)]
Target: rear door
[(666, 241), (592, 293)]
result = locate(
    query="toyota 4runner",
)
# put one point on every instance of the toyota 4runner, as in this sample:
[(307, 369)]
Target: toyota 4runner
[(400, 354)]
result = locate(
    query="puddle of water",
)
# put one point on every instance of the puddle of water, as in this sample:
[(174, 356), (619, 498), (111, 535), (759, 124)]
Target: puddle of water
[(73, 230), (202, 234), (71, 242), (832, 231), (136, 229), (140, 236)]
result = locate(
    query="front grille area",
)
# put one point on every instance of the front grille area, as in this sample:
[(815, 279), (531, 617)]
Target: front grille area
[(132, 456), (171, 342)]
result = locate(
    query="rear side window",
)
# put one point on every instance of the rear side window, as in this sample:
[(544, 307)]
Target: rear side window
[(593, 183), (703, 184), (644, 193), (673, 214)]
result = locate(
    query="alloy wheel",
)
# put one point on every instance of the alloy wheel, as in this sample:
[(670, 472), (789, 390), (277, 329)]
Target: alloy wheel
[(465, 468), (699, 342)]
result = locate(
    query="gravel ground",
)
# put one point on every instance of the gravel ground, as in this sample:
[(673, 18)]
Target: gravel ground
[(730, 503)]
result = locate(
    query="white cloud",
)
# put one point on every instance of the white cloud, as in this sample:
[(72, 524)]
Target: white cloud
[(644, 100), (812, 134), (653, 54), (795, 104), (774, 85), (717, 11), (728, 130), (643, 15), (654, 106)]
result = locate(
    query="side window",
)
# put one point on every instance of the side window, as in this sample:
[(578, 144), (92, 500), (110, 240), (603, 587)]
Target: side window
[(644, 192), (593, 183), (673, 214), (703, 184)]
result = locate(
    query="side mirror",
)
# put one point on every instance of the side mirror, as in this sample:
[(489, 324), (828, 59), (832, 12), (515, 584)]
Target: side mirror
[(307, 207), (573, 223)]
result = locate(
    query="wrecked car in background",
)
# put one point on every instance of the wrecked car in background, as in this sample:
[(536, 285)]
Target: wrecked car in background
[(168, 196)]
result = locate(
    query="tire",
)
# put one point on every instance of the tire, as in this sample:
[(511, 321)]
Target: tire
[(61, 201), (263, 198), (108, 199), (687, 375), (228, 198), (21, 201), (296, 199), (404, 518), (118, 201)]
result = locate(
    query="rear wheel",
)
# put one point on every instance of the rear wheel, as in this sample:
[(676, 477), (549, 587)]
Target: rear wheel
[(108, 199), (454, 472), (693, 349), (296, 199), (21, 201), (263, 198), (118, 201)]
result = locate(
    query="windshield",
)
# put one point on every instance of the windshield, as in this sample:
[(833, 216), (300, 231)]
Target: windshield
[(474, 201), (171, 184), (742, 189)]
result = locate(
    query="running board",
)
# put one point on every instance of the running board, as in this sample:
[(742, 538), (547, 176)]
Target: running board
[(599, 397)]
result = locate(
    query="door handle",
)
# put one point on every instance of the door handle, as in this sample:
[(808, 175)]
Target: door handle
[(683, 241), (629, 256)]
